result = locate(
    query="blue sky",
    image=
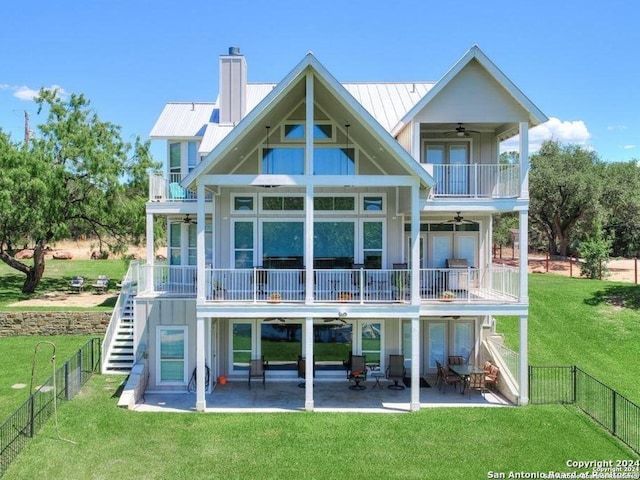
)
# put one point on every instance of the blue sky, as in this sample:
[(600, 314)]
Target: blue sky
[(577, 61)]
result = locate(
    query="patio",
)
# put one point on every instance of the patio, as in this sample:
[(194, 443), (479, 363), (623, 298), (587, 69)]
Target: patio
[(329, 396)]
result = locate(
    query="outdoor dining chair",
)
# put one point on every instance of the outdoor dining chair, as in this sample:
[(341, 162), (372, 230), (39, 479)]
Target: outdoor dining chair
[(257, 369), (76, 284), (357, 372), (396, 371)]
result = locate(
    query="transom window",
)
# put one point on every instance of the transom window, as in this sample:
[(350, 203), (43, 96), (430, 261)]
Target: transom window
[(273, 203), (296, 131), (330, 204)]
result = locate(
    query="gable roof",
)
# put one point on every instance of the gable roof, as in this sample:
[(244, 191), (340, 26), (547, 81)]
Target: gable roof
[(358, 111), (474, 53)]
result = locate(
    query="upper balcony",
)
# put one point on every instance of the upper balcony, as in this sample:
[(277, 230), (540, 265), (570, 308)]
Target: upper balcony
[(493, 284), (469, 181), (167, 188)]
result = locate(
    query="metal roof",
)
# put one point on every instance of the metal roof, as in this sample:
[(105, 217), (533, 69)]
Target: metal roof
[(386, 102)]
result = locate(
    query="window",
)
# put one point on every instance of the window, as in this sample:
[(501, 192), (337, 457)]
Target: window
[(333, 244), (437, 343), (282, 244), (175, 163), (372, 244), (243, 204), (243, 244), (271, 203), (241, 345), (330, 204), (172, 346), (373, 204), (462, 339), (193, 244), (281, 344), (296, 131), (333, 161), (192, 155), (331, 345), (175, 257), (283, 161)]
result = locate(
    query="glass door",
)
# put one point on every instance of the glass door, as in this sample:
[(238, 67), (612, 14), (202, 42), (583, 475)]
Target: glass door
[(458, 181)]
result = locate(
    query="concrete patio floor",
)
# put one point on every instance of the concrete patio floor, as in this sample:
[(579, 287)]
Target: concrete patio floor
[(329, 396)]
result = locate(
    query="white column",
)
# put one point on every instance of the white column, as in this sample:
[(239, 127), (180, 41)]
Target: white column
[(200, 262), (524, 361), (415, 364), (308, 352), (150, 240), (524, 160), (201, 403), (415, 244), (523, 239), (308, 170)]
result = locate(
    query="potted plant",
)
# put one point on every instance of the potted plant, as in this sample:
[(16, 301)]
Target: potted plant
[(275, 297), (344, 296), (447, 296)]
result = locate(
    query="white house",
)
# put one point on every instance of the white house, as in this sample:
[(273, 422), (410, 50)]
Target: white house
[(318, 219)]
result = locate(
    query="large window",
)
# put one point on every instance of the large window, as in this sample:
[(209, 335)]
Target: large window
[(372, 244), (192, 155), (175, 257), (282, 244), (172, 366), (331, 346), (333, 161), (281, 343), (333, 244), (283, 161), (175, 167)]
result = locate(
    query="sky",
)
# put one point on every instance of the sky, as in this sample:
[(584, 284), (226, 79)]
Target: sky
[(576, 61)]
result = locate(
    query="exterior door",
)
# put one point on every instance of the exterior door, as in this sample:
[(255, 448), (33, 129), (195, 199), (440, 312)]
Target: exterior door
[(458, 181), (441, 250)]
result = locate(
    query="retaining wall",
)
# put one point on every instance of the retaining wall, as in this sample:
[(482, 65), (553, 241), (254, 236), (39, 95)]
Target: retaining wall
[(53, 323)]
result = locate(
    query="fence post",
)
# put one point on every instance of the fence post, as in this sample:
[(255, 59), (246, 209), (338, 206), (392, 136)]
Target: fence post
[(31, 416), (613, 411), (574, 371), (79, 368), (66, 380)]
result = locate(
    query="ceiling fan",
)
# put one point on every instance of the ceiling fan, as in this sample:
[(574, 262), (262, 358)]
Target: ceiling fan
[(460, 131), (331, 320), (458, 220), (188, 220)]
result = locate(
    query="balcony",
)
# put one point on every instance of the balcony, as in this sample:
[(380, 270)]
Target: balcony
[(496, 283), (486, 181), (167, 188)]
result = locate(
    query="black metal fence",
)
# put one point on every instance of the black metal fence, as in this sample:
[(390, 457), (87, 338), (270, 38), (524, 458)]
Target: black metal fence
[(19, 428), (571, 385)]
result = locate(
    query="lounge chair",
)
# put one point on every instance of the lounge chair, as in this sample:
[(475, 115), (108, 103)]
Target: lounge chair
[(357, 372), (76, 284), (102, 284), (396, 371)]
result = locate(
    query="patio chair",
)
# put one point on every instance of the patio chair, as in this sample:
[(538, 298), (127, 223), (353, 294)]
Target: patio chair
[(448, 379), (76, 284), (396, 371), (456, 360), (491, 378), (439, 370), (475, 381), (357, 372), (257, 369), (302, 370), (101, 284)]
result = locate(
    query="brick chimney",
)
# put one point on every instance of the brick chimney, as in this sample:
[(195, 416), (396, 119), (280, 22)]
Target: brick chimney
[(233, 87)]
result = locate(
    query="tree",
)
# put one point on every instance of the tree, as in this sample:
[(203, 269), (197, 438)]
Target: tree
[(595, 254), (78, 171), (566, 186)]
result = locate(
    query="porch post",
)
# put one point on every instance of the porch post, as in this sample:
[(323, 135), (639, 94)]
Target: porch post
[(150, 239), (201, 403), (308, 374), (415, 364), (415, 244), (308, 247), (308, 170), (523, 240), (200, 260), (524, 160), (524, 361)]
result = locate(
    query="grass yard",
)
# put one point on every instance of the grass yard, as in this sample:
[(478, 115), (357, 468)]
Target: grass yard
[(16, 357), (438, 443), (589, 323), (57, 274)]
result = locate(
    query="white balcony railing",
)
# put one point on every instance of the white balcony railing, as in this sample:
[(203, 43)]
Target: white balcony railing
[(497, 283), (163, 188), (475, 180)]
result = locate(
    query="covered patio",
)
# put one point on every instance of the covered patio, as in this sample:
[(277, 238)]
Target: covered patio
[(329, 396)]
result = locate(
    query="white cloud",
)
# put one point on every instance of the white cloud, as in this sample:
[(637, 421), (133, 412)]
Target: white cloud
[(616, 127), (25, 93), (628, 147), (573, 132)]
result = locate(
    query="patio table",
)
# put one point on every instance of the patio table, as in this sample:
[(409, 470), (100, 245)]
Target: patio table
[(463, 371)]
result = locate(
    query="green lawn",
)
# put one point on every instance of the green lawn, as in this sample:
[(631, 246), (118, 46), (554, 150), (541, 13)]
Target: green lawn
[(57, 274), (438, 443), (592, 324), (16, 358)]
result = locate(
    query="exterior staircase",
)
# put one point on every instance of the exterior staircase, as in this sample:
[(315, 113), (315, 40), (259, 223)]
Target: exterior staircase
[(117, 347)]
